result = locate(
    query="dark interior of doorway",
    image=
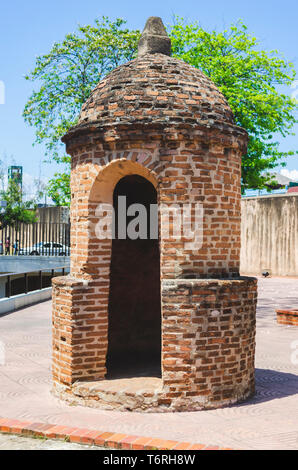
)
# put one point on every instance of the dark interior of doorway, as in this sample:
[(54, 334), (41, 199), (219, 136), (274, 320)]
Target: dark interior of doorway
[(134, 334)]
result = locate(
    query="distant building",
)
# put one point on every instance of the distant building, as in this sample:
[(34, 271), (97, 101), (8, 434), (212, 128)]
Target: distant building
[(293, 188), (15, 173), (280, 184)]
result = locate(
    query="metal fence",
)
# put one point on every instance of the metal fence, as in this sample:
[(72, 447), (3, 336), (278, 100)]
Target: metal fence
[(28, 281), (40, 239)]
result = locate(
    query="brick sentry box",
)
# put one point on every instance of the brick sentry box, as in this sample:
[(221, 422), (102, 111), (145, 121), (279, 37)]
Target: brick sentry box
[(155, 127)]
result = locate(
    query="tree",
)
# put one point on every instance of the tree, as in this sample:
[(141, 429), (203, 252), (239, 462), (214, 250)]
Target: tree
[(247, 76), (16, 210), (59, 189), (66, 77), (69, 73)]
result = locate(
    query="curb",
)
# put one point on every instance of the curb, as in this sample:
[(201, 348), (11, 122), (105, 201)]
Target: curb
[(97, 438)]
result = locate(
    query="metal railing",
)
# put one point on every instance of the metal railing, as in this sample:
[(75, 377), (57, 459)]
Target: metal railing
[(25, 278), (40, 238)]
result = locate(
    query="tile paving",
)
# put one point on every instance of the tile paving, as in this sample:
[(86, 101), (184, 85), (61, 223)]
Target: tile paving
[(269, 420)]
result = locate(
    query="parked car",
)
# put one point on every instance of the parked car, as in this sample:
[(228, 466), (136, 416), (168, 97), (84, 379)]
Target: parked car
[(46, 249)]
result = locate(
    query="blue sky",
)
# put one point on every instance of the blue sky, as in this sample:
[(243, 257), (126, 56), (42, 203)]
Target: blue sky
[(29, 28)]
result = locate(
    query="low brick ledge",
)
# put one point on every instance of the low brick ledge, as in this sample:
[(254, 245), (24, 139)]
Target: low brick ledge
[(287, 317), (98, 438)]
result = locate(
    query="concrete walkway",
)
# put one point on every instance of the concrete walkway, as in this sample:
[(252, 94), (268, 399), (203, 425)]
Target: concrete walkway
[(268, 421)]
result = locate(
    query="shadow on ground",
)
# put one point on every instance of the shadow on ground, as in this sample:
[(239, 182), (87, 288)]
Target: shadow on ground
[(271, 385)]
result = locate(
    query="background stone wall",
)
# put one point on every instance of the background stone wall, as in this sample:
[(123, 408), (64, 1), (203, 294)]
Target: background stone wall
[(269, 235)]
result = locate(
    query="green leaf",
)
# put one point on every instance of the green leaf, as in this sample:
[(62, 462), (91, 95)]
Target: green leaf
[(249, 78)]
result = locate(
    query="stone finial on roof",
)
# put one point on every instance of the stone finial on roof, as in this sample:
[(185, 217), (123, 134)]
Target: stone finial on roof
[(154, 39)]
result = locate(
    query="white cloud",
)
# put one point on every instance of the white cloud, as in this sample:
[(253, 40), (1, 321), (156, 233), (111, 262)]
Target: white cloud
[(292, 174)]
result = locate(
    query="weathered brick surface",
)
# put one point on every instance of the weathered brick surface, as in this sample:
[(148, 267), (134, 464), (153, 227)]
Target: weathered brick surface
[(156, 88), (208, 341), (193, 172), (162, 119), (287, 317)]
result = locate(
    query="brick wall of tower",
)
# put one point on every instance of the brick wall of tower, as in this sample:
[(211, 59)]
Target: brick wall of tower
[(188, 169), (209, 342), (185, 168)]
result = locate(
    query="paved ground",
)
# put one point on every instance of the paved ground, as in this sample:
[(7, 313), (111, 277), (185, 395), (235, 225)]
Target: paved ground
[(8, 442), (268, 421)]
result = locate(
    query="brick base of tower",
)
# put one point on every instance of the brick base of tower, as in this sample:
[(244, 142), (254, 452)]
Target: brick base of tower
[(208, 346)]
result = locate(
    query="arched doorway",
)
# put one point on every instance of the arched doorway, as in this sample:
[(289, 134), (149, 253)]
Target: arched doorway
[(134, 335)]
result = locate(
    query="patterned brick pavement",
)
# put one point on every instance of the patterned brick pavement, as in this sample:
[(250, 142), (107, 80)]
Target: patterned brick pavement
[(99, 439), (14, 442), (267, 421)]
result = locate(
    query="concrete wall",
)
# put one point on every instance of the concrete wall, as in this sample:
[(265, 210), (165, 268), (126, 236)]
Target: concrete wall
[(19, 264), (52, 226), (53, 214), (32, 264), (269, 235), (24, 300)]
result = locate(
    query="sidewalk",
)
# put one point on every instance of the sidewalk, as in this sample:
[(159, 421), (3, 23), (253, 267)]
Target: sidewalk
[(267, 421)]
